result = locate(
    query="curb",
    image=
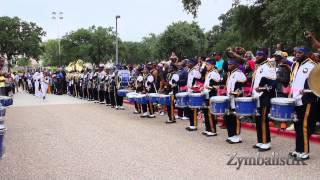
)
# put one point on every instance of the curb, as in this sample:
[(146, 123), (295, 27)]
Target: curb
[(275, 131)]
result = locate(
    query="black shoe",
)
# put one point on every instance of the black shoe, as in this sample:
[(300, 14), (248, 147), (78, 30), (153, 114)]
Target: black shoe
[(191, 129), (204, 133), (263, 150), (255, 146), (170, 122), (231, 142), (211, 135)]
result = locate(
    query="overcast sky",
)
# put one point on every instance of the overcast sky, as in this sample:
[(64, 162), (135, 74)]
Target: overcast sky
[(138, 17)]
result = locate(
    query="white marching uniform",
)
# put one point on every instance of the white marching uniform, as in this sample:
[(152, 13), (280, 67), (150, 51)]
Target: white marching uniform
[(265, 70), (299, 76), (211, 75), (235, 77), (36, 77), (192, 74), (44, 85)]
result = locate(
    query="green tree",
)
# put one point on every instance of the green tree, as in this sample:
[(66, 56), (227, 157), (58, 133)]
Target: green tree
[(50, 54), (23, 62), (20, 37), (94, 44), (186, 39)]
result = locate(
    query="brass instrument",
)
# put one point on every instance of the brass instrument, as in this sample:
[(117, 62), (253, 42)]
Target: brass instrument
[(79, 65), (314, 80)]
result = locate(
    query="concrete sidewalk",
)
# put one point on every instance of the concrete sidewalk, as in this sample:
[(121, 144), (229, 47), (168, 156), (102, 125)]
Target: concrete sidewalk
[(25, 99)]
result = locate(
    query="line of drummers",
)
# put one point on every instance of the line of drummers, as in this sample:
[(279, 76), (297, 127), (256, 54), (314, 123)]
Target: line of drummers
[(182, 92)]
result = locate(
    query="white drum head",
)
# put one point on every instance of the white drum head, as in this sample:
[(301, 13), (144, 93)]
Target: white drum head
[(219, 99), (282, 101)]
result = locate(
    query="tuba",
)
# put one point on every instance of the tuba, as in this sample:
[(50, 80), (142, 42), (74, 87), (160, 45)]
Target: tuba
[(314, 80)]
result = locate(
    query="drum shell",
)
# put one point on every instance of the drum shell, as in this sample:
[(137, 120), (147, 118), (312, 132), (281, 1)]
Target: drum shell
[(182, 100), (197, 100), (2, 111), (164, 100), (6, 101), (245, 106), (131, 96), (141, 99), (153, 97), (283, 112), (219, 107), (122, 92), (2, 133)]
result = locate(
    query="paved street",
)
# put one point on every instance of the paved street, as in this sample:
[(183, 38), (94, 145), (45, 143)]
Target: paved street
[(67, 138)]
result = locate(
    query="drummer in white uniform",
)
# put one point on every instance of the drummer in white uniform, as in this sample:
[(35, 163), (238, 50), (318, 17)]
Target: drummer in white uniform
[(306, 103), (211, 82), (234, 85), (263, 83), (171, 88), (193, 74)]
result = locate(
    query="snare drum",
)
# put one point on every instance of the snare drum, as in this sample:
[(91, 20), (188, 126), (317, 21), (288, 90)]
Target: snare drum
[(132, 97), (153, 97), (2, 133), (182, 99), (197, 100), (2, 111), (282, 109), (246, 106), (6, 100), (164, 99), (123, 92), (219, 105), (141, 99)]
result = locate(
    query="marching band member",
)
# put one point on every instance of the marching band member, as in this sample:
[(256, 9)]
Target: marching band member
[(118, 86), (212, 79), (183, 80), (263, 84), (90, 85), (112, 90), (106, 88), (83, 84), (171, 88), (139, 88), (193, 74), (149, 87), (101, 79), (305, 100), (235, 82), (95, 87)]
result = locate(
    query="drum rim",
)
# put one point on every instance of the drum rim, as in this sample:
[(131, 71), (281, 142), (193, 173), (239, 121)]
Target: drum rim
[(196, 94), (241, 114), (220, 100), (180, 106), (218, 114), (282, 103), (280, 119), (244, 99), (196, 106), (164, 95), (153, 95), (182, 94)]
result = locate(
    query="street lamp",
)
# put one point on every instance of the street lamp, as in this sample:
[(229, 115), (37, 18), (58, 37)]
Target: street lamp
[(58, 16), (117, 51)]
